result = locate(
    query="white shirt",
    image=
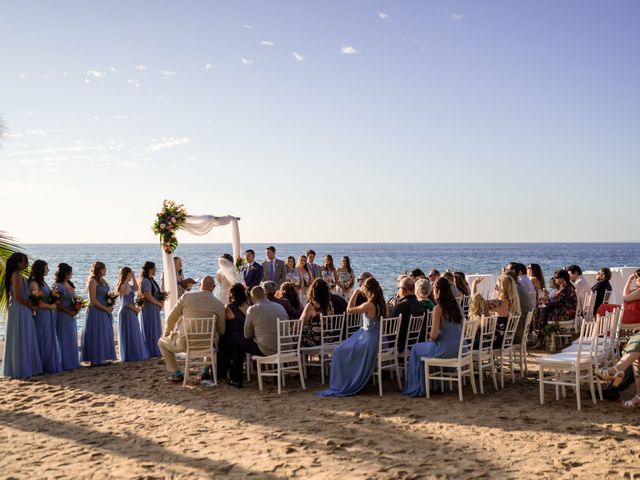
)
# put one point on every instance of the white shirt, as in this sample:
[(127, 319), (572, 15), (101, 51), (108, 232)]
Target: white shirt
[(525, 281), (582, 287)]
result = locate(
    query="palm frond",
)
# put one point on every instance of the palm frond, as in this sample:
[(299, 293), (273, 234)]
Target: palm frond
[(8, 246)]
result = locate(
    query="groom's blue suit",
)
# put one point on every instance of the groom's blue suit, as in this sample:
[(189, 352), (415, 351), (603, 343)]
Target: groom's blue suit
[(252, 274)]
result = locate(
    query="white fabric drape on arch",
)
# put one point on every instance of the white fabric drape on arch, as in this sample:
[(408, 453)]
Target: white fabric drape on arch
[(196, 225)]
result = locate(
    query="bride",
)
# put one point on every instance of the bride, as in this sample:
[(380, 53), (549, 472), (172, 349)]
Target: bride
[(226, 277)]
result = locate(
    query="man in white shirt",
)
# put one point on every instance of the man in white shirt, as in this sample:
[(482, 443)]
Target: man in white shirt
[(578, 280), (523, 279)]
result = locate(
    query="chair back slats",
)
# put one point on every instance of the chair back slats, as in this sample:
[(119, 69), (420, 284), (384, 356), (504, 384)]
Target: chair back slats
[(428, 321), (199, 333), (413, 332), (331, 327), (289, 336), (467, 338), (389, 328), (510, 332), (487, 331), (353, 323)]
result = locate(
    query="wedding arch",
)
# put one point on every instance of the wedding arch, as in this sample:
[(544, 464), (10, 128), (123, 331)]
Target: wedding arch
[(173, 218)]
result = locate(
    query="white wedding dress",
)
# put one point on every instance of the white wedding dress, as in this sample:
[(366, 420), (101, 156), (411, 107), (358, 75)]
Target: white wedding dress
[(226, 277)]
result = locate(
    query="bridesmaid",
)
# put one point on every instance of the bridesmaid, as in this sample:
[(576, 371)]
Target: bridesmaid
[(45, 318), (21, 352), (304, 272), (329, 273), (98, 345), (66, 325), (151, 324), (346, 277), (130, 341)]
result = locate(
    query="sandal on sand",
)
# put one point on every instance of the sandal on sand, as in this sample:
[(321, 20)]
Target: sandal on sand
[(633, 403), (604, 375)]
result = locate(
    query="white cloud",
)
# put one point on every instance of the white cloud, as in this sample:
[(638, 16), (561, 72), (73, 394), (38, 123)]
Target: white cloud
[(247, 61), (167, 73), (166, 143), (267, 43), (95, 73), (30, 189), (121, 117), (133, 82), (65, 74), (382, 15), (454, 16), (348, 50), (37, 132), (22, 75), (247, 26), (208, 66), (297, 56), (142, 67)]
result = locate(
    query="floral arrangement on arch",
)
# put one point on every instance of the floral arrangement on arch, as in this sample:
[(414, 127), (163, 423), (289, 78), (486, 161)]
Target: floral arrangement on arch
[(170, 219)]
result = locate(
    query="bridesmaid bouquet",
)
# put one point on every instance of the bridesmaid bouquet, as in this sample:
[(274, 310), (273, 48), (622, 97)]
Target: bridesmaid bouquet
[(79, 303), (112, 296), (54, 296), (139, 302), (36, 298), (162, 295)]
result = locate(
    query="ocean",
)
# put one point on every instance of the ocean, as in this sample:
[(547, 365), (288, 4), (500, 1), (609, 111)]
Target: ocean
[(384, 260)]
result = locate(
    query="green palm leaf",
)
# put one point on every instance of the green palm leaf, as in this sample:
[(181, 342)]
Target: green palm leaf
[(8, 246)]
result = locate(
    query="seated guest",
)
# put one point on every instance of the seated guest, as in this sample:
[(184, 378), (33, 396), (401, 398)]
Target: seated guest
[(235, 313), (444, 342), (354, 359), (396, 296), (416, 274), (251, 271), (361, 297), (579, 282), (526, 305), (461, 283), (478, 307), (271, 290), (339, 304), (289, 292), (521, 273), (456, 293), (507, 304), (433, 276), (560, 306), (424, 293), (601, 287), (201, 304), (260, 332), (630, 357), (319, 304), (534, 272), (406, 306), (631, 299)]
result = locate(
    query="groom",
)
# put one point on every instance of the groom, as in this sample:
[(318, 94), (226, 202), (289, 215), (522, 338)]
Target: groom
[(251, 271), (273, 269)]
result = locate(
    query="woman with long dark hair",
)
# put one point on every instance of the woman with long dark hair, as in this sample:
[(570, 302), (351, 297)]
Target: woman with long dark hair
[(355, 359), (66, 325), (319, 304), (150, 315), (559, 307), (98, 345), (445, 337), (346, 277), (21, 352), (130, 341), (328, 272), (45, 317), (235, 314), (289, 292)]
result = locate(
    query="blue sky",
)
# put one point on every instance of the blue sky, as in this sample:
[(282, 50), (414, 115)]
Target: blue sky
[(322, 121)]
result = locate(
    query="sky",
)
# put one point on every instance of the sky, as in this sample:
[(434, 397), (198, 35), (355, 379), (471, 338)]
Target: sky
[(333, 121)]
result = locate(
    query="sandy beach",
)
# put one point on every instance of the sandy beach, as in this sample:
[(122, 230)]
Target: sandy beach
[(127, 421)]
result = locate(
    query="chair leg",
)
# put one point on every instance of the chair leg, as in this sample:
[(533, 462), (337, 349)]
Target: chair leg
[(380, 378), (186, 371), (398, 375), (578, 387), (322, 367), (541, 382), (427, 382), (481, 377), (259, 373), (214, 368), (459, 382), (473, 380), (493, 375), (591, 385), (501, 371), (304, 386), (512, 363)]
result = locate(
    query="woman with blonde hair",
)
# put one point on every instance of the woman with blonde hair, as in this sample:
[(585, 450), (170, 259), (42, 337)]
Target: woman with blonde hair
[(98, 345), (507, 304), (130, 341), (478, 307)]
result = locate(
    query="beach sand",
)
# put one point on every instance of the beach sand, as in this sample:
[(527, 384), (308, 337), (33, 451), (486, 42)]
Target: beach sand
[(128, 421)]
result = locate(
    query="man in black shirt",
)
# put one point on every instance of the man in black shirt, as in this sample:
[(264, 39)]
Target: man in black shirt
[(407, 305)]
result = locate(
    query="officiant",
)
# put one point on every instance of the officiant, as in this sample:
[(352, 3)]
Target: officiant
[(184, 284)]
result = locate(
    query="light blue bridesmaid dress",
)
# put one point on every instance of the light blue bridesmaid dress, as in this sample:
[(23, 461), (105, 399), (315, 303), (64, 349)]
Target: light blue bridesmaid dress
[(97, 335), (151, 324), (67, 330), (446, 346), (130, 341), (45, 321), (21, 352), (354, 360)]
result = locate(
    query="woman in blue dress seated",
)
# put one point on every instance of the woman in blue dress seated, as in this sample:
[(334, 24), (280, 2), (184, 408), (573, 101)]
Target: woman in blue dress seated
[(445, 337), (354, 360), (21, 353)]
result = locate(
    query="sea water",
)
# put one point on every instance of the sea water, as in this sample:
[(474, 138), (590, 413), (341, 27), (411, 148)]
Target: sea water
[(384, 260)]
